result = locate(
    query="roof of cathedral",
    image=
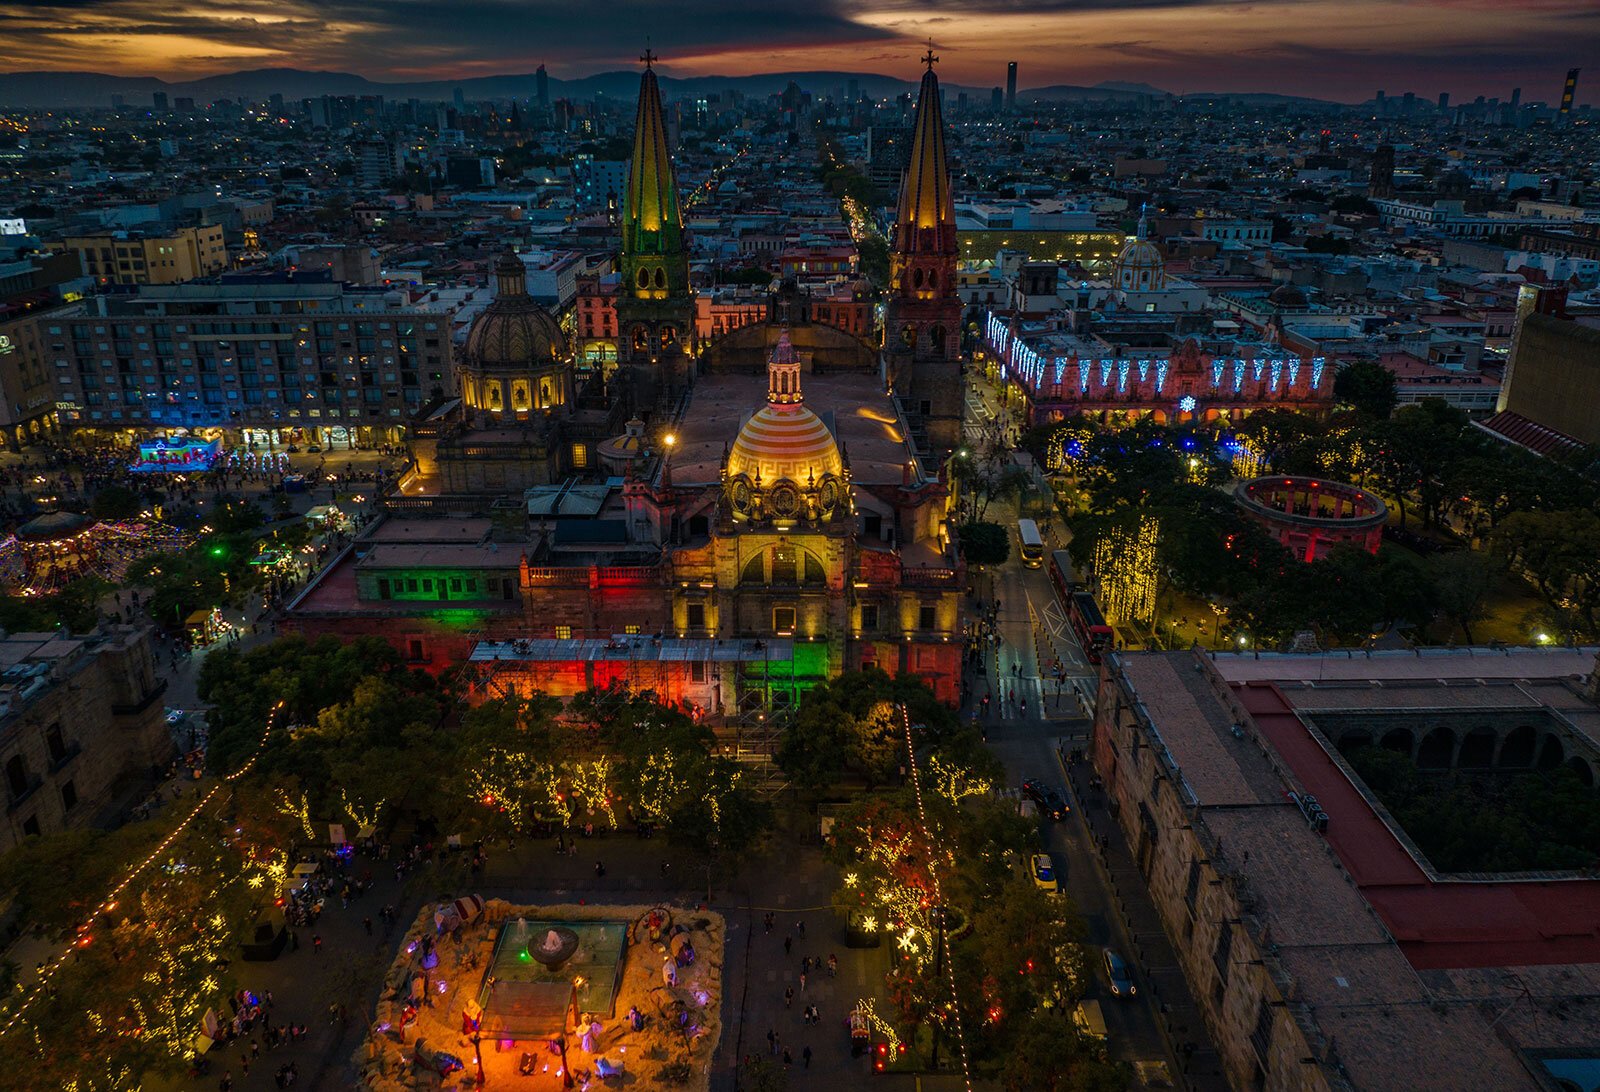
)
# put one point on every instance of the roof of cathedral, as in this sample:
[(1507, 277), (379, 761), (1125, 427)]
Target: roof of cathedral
[(650, 204), (785, 439), (513, 331), (925, 198)]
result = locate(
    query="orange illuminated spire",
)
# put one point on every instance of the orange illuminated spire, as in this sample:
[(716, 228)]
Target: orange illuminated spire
[(925, 200), (651, 203)]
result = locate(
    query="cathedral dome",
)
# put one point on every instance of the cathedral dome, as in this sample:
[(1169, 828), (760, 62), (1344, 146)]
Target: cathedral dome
[(785, 451), (1140, 267), (513, 331)]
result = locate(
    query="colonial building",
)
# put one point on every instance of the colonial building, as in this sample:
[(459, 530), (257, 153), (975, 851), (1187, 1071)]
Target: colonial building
[(922, 319), (81, 724), (762, 521)]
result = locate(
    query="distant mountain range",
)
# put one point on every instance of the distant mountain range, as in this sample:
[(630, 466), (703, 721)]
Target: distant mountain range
[(79, 89)]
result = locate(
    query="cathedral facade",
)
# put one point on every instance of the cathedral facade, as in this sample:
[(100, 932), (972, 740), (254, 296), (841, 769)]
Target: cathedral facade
[(762, 522)]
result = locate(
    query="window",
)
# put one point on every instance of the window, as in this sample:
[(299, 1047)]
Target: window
[(1191, 889), (697, 616), (869, 617), (383, 587), (69, 796), (414, 650), (580, 456), (783, 619), (55, 744), (928, 616), (564, 632), (17, 776), (1261, 1037), (785, 565), (1223, 952), (697, 671)]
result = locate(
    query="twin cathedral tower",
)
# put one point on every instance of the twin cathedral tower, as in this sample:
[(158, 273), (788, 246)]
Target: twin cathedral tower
[(920, 357)]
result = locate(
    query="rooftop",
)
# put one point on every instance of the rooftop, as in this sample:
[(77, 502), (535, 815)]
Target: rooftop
[(854, 405)]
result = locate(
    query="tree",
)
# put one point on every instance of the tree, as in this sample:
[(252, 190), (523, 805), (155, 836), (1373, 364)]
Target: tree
[(1462, 583), (985, 543), (1368, 386), (1045, 1057), (114, 502)]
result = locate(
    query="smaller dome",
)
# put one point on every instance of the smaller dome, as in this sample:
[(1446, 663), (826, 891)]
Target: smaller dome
[(513, 331), (1287, 297), (1140, 266)]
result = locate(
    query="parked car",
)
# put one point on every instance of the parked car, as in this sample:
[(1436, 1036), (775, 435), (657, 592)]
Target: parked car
[(1119, 976), (1044, 872)]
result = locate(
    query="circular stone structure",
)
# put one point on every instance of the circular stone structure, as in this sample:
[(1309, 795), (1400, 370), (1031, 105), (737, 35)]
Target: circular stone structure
[(1310, 516)]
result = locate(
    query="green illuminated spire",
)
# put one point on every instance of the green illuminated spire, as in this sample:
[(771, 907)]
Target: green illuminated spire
[(654, 263)]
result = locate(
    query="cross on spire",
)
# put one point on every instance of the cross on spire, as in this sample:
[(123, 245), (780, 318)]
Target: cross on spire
[(930, 58), (648, 57)]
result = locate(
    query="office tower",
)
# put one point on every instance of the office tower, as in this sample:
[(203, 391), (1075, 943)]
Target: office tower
[(1381, 183), (997, 100), (158, 100), (1011, 86), (541, 81), (1444, 101), (853, 91), (183, 105), (460, 101), (1516, 97), (1567, 94), (1408, 103), (1382, 104)]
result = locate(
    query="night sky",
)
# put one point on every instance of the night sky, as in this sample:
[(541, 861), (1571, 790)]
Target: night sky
[(1338, 49)]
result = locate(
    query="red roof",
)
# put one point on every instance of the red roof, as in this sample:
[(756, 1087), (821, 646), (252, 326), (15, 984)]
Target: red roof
[(1437, 924), (1540, 439)]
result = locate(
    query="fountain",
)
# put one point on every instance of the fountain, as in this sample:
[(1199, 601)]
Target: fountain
[(556, 948)]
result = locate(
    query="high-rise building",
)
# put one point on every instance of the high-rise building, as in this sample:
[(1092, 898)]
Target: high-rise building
[(922, 320), (1568, 93), (375, 163), (158, 101), (853, 90), (459, 98), (656, 306), (997, 100), (1444, 100), (1516, 97), (541, 83), (1011, 85), (183, 104)]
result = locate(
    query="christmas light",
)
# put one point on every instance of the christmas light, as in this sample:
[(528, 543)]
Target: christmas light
[(1125, 561)]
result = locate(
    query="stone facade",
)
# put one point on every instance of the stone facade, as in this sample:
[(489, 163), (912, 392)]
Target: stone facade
[(82, 720)]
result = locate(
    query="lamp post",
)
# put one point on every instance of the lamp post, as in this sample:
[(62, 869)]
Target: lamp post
[(477, 1055)]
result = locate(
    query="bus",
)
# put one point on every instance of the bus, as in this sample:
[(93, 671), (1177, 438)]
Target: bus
[(1089, 624), (1063, 576), (1032, 544)]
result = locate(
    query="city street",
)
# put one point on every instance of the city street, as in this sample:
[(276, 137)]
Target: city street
[(1031, 635)]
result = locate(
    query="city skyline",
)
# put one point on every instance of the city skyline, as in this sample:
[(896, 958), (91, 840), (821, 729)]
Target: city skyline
[(1317, 48)]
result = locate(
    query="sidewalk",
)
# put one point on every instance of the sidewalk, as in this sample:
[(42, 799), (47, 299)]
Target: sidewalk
[(1181, 1024)]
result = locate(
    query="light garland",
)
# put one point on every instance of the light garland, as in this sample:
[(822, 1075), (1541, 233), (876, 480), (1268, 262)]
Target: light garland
[(1126, 564), (955, 783), (109, 903), (933, 877)]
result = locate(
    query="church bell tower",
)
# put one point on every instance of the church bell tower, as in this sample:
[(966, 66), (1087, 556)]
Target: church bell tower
[(655, 305), (922, 319)]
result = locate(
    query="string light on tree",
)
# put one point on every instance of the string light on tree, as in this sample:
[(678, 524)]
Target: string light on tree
[(1125, 561)]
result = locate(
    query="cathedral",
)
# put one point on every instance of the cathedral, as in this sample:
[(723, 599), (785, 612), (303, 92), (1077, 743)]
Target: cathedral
[(727, 523)]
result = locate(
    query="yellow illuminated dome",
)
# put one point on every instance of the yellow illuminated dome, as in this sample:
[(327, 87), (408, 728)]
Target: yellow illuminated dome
[(785, 462), (1140, 267)]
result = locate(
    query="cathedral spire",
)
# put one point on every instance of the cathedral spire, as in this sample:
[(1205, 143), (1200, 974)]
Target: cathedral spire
[(926, 205), (651, 218), (783, 373)]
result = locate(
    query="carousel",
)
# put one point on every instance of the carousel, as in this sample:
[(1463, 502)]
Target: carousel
[(45, 554)]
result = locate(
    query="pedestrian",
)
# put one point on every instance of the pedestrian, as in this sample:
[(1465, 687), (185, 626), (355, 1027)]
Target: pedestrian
[(367, 924), (599, 870), (788, 944), (226, 1084), (800, 927), (316, 943), (802, 980), (772, 1040), (788, 1059), (833, 965), (788, 997), (805, 1056), (767, 921), (244, 1062), (805, 965), (255, 1049), (561, 843)]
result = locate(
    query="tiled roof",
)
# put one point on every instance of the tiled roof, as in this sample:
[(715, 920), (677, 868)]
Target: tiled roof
[(1513, 428)]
